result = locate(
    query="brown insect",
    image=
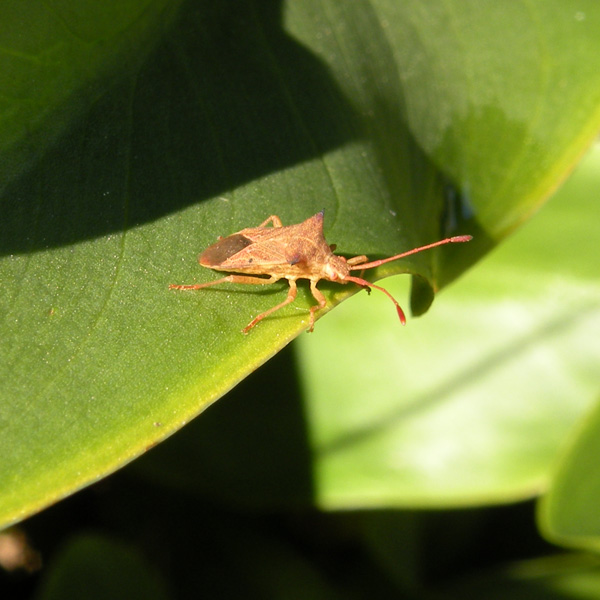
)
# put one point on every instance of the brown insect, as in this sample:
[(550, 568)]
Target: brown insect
[(291, 252)]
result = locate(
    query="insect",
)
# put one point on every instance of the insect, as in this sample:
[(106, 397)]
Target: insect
[(262, 255)]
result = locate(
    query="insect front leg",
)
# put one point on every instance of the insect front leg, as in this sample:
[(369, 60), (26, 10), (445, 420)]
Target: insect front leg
[(357, 260), (290, 298)]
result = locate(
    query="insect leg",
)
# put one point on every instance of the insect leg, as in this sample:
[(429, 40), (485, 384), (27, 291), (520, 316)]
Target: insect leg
[(357, 260), (248, 279), (272, 219), (322, 303), (290, 298)]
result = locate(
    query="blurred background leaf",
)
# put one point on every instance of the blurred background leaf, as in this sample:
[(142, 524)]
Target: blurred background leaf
[(101, 567), (548, 578), (568, 514)]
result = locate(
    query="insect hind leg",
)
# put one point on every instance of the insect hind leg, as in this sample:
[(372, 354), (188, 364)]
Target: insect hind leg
[(246, 279), (290, 298)]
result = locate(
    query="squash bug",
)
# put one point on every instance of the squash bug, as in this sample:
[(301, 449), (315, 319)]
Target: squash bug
[(263, 255)]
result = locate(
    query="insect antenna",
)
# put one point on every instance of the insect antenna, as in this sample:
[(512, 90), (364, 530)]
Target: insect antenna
[(368, 285), (376, 263)]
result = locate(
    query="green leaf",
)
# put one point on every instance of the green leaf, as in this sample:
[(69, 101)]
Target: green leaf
[(57, 59), (568, 514), (155, 135), (558, 577), (99, 567)]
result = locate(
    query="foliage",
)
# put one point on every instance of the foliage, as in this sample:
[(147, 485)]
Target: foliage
[(133, 134)]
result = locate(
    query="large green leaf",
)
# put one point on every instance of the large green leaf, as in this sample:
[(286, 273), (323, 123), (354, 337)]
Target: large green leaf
[(366, 109)]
